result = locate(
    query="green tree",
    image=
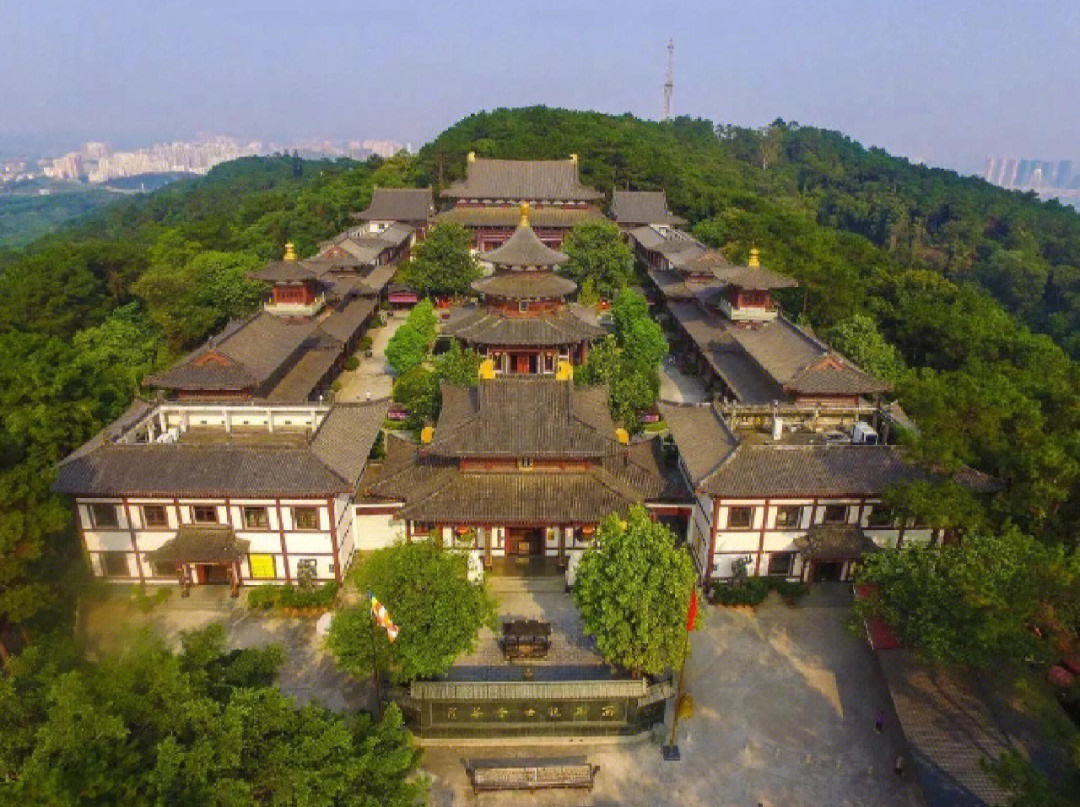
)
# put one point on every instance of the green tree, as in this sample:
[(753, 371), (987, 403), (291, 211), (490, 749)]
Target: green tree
[(204, 726), (442, 263), (427, 593), (639, 335), (418, 391), (598, 252), (411, 343), (458, 366), (633, 591), (858, 338), (978, 604)]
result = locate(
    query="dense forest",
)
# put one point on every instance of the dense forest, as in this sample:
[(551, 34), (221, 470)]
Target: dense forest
[(965, 296)]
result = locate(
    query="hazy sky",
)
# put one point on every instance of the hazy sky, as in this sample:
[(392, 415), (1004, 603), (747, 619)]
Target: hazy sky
[(947, 81)]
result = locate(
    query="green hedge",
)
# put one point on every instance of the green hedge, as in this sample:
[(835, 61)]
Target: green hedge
[(267, 597), (754, 590)]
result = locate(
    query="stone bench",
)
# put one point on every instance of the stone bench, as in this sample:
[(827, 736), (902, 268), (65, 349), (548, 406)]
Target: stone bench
[(491, 775)]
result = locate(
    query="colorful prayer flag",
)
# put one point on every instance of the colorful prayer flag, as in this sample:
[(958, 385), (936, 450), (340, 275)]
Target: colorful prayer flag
[(382, 618)]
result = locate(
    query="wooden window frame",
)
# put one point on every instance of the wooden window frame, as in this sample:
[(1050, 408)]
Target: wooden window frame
[(154, 524), (846, 508), (740, 508), (790, 564), (306, 509), (254, 508), (793, 524), (106, 557), (111, 523), (196, 508)]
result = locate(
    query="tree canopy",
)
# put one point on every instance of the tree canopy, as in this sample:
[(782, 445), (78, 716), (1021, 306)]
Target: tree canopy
[(598, 253), (442, 263), (633, 591), (426, 590), (200, 727), (411, 343)]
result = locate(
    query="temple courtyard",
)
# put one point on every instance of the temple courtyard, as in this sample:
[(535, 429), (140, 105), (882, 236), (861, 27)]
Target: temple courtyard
[(785, 703)]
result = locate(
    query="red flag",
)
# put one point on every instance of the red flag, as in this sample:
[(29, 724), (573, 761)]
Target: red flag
[(691, 614)]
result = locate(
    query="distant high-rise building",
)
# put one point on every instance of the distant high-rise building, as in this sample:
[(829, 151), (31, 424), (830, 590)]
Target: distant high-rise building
[(1064, 174)]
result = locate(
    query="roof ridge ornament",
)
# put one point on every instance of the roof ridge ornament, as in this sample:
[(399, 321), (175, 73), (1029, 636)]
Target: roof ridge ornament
[(755, 257), (524, 215), (290, 251)]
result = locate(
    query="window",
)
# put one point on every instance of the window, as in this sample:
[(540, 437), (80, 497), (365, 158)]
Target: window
[(204, 514), (525, 463), (153, 515), (740, 518), (115, 564), (549, 363), (163, 569), (788, 516), (421, 527), (780, 563), (881, 516), (835, 514), (103, 515), (523, 306), (263, 567), (256, 518), (305, 518)]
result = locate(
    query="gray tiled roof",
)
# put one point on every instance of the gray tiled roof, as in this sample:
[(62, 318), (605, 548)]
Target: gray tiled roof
[(191, 469), (642, 207), (756, 471), (286, 272), (518, 285), (257, 350), (835, 542), (540, 216), (201, 543), (523, 248), (482, 326), (304, 375), (399, 204), (526, 416), (346, 435), (753, 277), (521, 180), (348, 317), (702, 435)]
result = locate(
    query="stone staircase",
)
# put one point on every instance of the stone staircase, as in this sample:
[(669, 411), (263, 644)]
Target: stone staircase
[(502, 584)]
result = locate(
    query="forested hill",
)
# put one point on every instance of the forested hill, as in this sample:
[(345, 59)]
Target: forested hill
[(791, 185), (895, 262)]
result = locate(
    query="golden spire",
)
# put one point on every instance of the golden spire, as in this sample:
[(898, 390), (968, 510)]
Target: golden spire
[(755, 257), (290, 251), (524, 215)]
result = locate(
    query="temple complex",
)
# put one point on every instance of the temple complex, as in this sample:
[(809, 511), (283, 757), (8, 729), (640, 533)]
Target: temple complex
[(524, 322), (518, 467), (486, 202), (633, 209), (741, 343)]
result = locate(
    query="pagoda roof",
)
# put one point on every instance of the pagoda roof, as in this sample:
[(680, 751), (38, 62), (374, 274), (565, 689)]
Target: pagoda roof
[(398, 204), (521, 180), (484, 326), (286, 271), (753, 278), (523, 248), (525, 285)]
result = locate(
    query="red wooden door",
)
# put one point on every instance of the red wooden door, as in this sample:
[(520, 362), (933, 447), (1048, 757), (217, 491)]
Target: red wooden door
[(521, 363)]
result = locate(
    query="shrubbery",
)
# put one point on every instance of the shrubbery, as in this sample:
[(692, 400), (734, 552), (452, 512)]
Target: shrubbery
[(754, 590), (267, 597)]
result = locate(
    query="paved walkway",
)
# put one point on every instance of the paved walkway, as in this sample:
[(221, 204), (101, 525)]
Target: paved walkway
[(373, 378), (785, 701), (677, 387)]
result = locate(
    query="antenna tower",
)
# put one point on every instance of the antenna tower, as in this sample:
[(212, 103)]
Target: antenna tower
[(669, 78)]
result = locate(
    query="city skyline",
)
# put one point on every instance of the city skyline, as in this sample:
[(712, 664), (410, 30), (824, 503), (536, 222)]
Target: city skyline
[(942, 84)]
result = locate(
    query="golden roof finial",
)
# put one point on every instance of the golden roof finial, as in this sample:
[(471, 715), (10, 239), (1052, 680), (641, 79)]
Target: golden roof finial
[(524, 215), (755, 257), (290, 251)]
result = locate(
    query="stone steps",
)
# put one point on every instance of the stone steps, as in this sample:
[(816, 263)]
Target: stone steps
[(526, 585)]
